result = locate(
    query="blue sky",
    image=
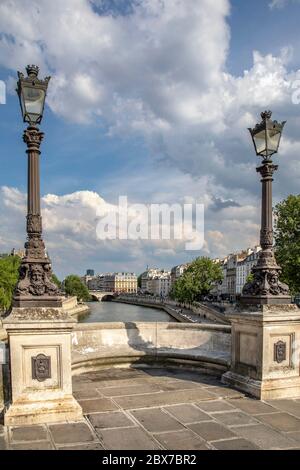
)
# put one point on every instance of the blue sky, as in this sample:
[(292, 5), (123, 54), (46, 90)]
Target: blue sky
[(147, 99)]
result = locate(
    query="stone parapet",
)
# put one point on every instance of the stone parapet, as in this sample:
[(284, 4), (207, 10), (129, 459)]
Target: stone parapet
[(193, 345)]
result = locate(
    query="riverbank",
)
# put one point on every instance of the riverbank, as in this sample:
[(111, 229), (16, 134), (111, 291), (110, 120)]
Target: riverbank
[(172, 311), (197, 313)]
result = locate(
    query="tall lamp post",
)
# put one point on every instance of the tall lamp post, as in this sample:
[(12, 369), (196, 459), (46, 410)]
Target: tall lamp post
[(35, 286), (265, 288), (38, 328), (265, 328)]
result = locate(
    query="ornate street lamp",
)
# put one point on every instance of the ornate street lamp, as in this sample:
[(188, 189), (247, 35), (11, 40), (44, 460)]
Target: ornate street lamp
[(35, 286), (266, 287)]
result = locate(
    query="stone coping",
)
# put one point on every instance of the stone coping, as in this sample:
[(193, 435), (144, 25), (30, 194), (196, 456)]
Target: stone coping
[(137, 325)]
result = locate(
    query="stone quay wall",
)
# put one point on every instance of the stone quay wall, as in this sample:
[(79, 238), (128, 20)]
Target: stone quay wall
[(205, 347), (172, 307), (71, 305)]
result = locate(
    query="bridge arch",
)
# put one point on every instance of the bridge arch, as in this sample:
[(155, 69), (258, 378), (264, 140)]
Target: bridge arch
[(101, 296)]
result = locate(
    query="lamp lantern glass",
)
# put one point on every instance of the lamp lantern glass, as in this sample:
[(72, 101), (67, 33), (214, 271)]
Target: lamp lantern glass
[(266, 136), (32, 95)]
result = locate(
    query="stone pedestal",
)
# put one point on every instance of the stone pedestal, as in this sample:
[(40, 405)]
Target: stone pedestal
[(40, 358), (266, 351)]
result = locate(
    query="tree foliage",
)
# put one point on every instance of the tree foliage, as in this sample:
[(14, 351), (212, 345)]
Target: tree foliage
[(197, 281), (9, 275), (74, 286), (287, 241), (56, 281)]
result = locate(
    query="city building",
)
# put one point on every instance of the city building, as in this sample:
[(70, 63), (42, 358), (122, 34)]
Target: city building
[(219, 292), (244, 268), (160, 285), (86, 279), (147, 277), (20, 253), (95, 282), (120, 283), (177, 272), (90, 272), (112, 282), (236, 268)]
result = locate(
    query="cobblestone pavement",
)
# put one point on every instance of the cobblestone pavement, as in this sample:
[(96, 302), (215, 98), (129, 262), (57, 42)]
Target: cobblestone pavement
[(163, 409)]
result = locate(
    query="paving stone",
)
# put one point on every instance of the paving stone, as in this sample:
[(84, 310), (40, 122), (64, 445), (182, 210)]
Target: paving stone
[(29, 433), (290, 406), (179, 385), (184, 375), (294, 435), (81, 386), (93, 446), (129, 390), (235, 444), (281, 421), (234, 418), (265, 437), (211, 431), (128, 382), (156, 420), (2, 443), (68, 433), (126, 439), (116, 419), (181, 440), (224, 392), (164, 398), (187, 413), (97, 405), (215, 406), (86, 393), (252, 406), (114, 374), (37, 445)]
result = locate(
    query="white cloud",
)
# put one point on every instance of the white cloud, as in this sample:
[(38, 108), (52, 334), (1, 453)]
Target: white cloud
[(279, 4), (70, 223)]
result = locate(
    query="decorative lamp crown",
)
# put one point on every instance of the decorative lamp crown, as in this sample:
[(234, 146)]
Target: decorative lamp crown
[(32, 70)]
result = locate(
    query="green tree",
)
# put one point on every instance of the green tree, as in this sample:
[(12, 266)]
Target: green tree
[(74, 286), (139, 281), (287, 241), (198, 280), (9, 275), (56, 281)]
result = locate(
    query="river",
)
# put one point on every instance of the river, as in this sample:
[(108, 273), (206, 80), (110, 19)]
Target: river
[(117, 312)]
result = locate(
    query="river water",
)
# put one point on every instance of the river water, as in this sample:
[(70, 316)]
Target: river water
[(116, 312)]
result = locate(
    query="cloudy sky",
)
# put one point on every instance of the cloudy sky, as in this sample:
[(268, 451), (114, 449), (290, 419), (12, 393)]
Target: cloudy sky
[(149, 99)]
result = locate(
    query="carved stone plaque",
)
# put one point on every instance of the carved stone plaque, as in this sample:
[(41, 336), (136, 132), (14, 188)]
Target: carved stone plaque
[(280, 352), (41, 367)]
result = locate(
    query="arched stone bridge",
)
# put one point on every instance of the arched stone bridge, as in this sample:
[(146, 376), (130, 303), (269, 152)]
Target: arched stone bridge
[(101, 296)]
